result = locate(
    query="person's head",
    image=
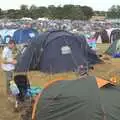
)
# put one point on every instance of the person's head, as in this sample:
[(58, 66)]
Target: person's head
[(27, 25), (11, 44)]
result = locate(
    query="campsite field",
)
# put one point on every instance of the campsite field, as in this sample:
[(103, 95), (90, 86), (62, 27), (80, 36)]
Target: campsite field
[(36, 78)]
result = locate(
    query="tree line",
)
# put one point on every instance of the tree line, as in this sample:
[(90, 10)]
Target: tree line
[(114, 12), (73, 12)]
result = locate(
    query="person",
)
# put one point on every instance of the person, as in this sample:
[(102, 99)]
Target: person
[(8, 63)]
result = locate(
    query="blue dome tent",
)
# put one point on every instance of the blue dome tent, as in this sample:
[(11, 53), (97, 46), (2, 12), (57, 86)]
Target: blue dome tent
[(24, 35), (55, 52)]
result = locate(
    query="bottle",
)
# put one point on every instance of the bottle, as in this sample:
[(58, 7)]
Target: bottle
[(14, 89)]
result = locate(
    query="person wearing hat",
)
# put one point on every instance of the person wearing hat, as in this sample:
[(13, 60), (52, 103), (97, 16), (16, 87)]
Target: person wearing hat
[(8, 63)]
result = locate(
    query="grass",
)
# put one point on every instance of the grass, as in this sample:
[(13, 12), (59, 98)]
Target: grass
[(102, 48), (40, 79)]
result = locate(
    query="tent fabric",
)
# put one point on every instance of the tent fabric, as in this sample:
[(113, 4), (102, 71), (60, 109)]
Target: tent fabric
[(6, 33), (110, 99), (101, 37), (117, 55), (25, 35), (92, 43), (34, 90), (114, 48), (68, 100), (84, 99), (115, 35), (101, 82), (57, 51), (7, 38)]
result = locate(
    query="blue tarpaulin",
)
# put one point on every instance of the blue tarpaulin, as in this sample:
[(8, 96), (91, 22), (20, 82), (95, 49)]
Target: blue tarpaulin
[(34, 91), (117, 55)]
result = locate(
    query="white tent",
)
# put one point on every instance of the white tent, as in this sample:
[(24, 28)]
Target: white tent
[(99, 39), (26, 19), (42, 19)]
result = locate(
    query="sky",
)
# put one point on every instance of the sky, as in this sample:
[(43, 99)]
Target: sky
[(95, 4)]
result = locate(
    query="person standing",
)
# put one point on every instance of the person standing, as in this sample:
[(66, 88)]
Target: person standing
[(8, 64)]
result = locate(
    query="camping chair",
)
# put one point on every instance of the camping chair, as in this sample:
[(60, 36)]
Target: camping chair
[(23, 85)]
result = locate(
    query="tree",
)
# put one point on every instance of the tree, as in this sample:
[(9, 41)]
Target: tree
[(33, 7), (99, 13), (67, 11), (73, 12), (58, 13), (77, 13), (11, 13), (51, 11), (88, 12), (1, 13), (23, 7), (33, 11), (42, 11), (114, 12), (24, 11)]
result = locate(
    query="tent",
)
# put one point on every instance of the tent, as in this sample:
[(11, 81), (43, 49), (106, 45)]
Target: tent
[(89, 38), (115, 35), (7, 38), (42, 19), (92, 43), (101, 37), (57, 51), (6, 34), (114, 48), (26, 19), (24, 35), (88, 98), (1, 40), (110, 101)]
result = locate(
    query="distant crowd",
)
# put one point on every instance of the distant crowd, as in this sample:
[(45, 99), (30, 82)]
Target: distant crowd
[(46, 24)]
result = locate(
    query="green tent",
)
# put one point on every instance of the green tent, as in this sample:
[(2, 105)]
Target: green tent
[(82, 99), (70, 100), (114, 48), (110, 99)]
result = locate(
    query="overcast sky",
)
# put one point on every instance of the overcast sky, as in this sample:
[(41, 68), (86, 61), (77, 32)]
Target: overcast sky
[(95, 4)]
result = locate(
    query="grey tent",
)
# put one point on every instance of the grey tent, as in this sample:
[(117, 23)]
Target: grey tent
[(87, 98), (115, 35)]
